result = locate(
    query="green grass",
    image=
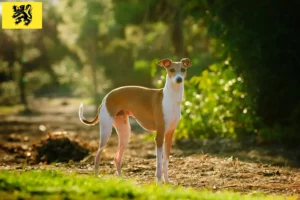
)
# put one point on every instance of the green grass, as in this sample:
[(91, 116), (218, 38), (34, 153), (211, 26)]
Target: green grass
[(6, 110), (47, 184)]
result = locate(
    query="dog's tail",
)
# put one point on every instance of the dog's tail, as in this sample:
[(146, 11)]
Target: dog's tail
[(83, 120)]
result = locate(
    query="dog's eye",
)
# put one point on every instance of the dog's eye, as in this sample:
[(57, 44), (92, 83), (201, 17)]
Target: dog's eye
[(172, 70), (183, 69)]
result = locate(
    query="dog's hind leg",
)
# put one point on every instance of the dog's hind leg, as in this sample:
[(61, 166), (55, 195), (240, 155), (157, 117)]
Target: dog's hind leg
[(122, 125), (105, 131)]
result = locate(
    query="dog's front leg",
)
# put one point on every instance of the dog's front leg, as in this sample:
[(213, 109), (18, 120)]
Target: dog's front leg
[(159, 140), (167, 149), (159, 157)]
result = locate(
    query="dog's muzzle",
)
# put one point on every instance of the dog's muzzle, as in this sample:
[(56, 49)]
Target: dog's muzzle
[(178, 80)]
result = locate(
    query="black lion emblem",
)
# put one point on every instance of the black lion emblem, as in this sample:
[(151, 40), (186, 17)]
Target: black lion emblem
[(22, 12)]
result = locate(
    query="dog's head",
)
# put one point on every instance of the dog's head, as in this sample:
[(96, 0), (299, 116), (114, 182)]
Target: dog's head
[(176, 70)]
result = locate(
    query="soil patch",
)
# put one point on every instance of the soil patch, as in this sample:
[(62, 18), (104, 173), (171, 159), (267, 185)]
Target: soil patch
[(215, 165), (59, 147)]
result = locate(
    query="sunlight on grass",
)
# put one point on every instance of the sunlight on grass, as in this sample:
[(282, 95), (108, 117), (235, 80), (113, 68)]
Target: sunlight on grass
[(40, 184), (6, 110), (15, 109)]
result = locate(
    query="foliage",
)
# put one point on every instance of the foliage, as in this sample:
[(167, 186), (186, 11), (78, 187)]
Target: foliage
[(216, 104), (9, 90), (41, 184), (98, 45), (263, 42)]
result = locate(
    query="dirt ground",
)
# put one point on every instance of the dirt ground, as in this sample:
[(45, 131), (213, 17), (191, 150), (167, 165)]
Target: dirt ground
[(217, 165)]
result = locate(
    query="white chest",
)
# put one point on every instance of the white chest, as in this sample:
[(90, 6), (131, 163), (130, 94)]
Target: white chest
[(171, 110)]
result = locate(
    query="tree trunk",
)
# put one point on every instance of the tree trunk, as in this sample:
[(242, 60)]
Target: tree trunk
[(22, 80), (94, 72), (177, 33), (22, 87)]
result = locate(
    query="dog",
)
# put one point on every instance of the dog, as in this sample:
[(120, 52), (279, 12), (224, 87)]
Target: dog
[(154, 109)]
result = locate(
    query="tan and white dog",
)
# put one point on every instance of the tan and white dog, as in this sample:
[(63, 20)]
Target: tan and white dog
[(154, 109)]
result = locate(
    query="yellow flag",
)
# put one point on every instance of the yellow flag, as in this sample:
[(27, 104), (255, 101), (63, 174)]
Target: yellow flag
[(22, 15)]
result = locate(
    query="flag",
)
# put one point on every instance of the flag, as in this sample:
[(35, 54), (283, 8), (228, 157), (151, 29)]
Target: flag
[(21, 15)]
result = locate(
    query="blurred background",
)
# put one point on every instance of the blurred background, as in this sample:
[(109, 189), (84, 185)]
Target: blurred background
[(244, 82)]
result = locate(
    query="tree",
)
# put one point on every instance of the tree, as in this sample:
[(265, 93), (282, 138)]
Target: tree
[(262, 38)]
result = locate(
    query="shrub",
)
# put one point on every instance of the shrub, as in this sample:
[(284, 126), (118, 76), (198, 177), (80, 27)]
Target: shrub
[(9, 93), (215, 104)]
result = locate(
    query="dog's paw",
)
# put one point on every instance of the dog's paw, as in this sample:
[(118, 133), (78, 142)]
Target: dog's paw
[(169, 183), (158, 183)]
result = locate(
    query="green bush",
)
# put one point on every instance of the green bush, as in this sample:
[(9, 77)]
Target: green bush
[(215, 105), (9, 93), (263, 41)]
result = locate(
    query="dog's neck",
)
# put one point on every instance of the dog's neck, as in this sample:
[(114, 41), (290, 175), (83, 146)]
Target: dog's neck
[(173, 90)]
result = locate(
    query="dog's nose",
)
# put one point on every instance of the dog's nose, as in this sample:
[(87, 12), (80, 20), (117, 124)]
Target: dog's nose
[(178, 80)]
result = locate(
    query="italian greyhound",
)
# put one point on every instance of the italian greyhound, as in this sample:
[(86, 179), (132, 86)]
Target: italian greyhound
[(154, 109)]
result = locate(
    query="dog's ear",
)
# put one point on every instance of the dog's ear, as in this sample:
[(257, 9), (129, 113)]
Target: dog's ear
[(186, 62), (166, 62)]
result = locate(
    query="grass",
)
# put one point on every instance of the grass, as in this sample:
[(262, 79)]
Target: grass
[(18, 108), (6, 110), (48, 184)]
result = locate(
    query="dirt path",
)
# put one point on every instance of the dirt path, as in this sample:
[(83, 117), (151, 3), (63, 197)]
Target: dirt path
[(212, 165)]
